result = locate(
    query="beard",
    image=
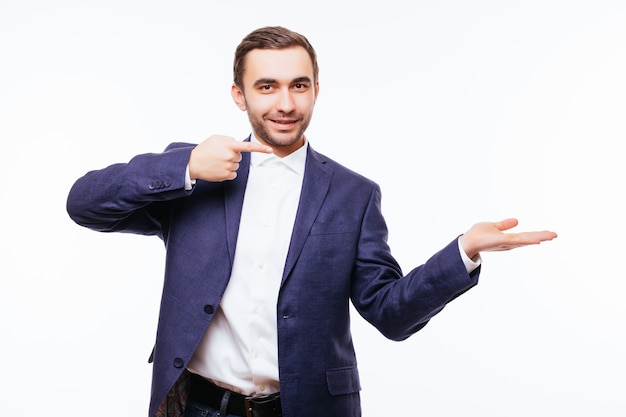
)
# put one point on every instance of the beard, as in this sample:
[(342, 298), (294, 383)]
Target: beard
[(281, 138)]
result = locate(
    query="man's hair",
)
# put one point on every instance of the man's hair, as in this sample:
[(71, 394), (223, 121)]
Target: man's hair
[(270, 37)]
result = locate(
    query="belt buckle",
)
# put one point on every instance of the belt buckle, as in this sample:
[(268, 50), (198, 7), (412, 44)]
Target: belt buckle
[(248, 403)]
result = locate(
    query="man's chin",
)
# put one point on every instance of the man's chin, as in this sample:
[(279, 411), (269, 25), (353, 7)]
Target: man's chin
[(284, 139)]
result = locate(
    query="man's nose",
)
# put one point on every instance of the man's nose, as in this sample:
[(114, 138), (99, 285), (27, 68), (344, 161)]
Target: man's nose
[(285, 102)]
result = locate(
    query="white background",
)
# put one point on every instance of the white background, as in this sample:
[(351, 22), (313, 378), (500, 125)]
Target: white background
[(463, 111)]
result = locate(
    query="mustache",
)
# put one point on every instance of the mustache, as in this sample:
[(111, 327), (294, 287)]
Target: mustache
[(284, 117)]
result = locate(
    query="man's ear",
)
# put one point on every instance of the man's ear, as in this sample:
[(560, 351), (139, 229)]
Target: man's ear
[(238, 97)]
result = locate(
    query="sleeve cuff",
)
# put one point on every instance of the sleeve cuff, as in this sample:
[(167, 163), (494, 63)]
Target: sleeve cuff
[(470, 265), (189, 183)]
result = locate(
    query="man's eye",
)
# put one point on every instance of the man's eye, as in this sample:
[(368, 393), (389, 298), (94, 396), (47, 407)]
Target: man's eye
[(266, 87)]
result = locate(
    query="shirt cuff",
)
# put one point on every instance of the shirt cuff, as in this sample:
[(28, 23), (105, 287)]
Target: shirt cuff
[(470, 265), (189, 183)]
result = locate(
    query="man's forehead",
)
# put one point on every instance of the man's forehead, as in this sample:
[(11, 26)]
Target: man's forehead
[(290, 63)]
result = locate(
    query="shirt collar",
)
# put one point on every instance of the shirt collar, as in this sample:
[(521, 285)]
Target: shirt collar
[(294, 161)]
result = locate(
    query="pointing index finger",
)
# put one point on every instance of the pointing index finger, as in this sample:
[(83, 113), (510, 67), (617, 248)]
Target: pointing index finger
[(252, 147)]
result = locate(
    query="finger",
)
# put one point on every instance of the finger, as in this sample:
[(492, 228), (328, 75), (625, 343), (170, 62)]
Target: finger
[(251, 147), (506, 224), (536, 237)]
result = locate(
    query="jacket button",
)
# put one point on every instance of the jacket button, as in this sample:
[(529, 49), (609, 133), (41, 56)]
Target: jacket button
[(209, 309), (151, 186), (179, 363)]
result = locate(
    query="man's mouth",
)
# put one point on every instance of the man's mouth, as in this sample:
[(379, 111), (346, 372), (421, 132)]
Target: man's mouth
[(284, 123)]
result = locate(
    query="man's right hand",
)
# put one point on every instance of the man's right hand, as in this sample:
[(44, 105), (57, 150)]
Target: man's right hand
[(217, 158)]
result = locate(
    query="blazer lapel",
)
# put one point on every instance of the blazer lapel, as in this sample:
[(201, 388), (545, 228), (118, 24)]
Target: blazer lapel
[(233, 203), (317, 176)]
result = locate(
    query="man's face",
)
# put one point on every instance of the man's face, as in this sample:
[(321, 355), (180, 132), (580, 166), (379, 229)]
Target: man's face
[(279, 95)]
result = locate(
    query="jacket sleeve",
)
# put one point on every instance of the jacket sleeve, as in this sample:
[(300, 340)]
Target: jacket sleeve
[(131, 197), (397, 305)]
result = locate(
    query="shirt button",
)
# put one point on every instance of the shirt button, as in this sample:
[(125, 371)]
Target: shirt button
[(262, 388), (261, 265)]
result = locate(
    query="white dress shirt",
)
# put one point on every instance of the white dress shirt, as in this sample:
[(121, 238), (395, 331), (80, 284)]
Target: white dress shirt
[(240, 348)]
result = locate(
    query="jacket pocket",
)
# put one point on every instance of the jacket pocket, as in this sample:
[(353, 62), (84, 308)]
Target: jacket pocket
[(343, 380)]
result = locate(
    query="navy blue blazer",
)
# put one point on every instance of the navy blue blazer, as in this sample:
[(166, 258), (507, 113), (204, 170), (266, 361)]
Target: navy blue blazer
[(338, 253)]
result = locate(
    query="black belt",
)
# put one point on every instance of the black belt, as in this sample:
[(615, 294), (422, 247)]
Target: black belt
[(210, 394)]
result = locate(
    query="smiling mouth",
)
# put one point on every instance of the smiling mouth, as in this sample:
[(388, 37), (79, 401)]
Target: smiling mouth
[(285, 123)]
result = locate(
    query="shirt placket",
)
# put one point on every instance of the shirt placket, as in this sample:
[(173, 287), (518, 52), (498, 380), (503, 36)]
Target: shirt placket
[(265, 276)]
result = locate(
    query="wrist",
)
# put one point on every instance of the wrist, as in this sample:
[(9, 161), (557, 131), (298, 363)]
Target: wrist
[(469, 248)]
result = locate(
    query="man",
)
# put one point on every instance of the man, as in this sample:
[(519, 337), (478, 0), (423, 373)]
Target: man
[(267, 242)]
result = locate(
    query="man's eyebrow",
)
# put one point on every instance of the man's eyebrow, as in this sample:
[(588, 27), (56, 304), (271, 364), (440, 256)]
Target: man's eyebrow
[(265, 81), (302, 80)]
